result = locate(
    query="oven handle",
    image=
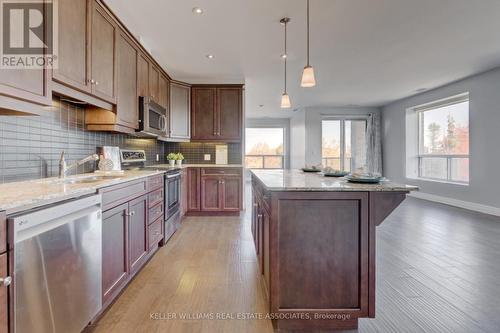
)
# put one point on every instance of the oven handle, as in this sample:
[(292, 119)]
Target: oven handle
[(173, 175)]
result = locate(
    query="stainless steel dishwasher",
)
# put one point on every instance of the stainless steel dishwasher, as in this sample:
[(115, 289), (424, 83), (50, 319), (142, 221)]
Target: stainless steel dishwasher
[(57, 266)]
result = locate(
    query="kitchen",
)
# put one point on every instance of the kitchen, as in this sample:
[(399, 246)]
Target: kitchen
[(151, 180)]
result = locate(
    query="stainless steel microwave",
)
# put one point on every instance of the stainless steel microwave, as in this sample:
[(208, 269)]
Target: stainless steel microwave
[(153, 118)]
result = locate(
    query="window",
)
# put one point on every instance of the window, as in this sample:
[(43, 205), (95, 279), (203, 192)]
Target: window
[(443, 140), (264, 148), (344, 144)]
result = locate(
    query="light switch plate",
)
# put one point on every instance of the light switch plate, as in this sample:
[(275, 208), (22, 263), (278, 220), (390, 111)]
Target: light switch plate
[(157, 157), (207, 157)]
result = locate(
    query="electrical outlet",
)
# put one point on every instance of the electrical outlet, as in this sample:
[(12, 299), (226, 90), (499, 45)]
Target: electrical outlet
[(207, 157), (157, 157)]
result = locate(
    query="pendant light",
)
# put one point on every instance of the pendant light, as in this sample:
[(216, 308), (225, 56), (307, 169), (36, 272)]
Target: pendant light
[(308, 79), (285, 99)]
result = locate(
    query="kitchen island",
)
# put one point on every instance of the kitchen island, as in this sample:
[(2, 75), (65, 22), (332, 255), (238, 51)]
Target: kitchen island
[(315, 242)]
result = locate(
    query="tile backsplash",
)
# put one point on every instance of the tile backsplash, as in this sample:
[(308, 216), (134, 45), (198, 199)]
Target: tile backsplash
[(30, 146)]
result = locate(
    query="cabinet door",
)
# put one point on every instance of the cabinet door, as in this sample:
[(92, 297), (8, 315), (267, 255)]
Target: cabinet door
[(4, 302), (203, 114), (231, 197), (73, 33), (154, 83), (30, 85), (164, 91), (211, 193), (266, 265), (127, 104), (194, 189), (142, 75), (184, 192), (229, 113), (103, 54), (114, 250), (180, 104), (137, 234)]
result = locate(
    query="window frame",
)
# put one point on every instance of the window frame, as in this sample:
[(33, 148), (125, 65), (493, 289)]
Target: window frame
[(420, 110), (342, 120), (283, 156)]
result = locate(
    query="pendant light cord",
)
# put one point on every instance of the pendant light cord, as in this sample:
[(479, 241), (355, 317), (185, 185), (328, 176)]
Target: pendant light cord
[(307, 33), (286, 55)]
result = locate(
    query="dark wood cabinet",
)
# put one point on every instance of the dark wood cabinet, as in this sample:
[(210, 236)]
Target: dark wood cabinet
[(114, 250), (164, 92), (103, 54), (216, 113), (229, 113), (4, 272), (266, 256), (154, 83), (231, 193), (127, 112), (128, 237), (142, 75), (74, 32), (138, 222), (211, 193), (203, 113), (193, 178)]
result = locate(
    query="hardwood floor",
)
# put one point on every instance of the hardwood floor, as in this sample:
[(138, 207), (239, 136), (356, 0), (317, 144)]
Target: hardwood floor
[(437, 271)]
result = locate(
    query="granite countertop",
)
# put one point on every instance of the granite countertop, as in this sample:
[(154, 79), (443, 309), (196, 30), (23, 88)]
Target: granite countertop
[(20, 196), (297, 180)]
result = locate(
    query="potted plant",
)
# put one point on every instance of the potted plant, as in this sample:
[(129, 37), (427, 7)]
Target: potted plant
[(172, 157), (179, 159)]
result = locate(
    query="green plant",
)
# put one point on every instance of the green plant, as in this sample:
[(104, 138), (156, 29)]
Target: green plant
[(172, 157), (180, 157)]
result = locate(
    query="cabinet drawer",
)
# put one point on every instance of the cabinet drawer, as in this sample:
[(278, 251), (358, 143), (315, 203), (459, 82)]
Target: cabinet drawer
[(155, 197), (156, 212), (114, 195), (155, 182), (3, 233), (155, 233), (221, 171)]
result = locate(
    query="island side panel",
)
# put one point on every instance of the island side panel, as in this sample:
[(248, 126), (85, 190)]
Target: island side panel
[(319, 257), (381, 205)]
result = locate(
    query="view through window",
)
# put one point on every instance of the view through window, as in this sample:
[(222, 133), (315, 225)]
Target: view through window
[(344, 144), (444, 141), (264, 148)]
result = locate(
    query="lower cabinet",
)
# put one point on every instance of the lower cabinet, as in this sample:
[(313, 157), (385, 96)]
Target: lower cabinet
[(215, 190), (128, 239), (4, 287)]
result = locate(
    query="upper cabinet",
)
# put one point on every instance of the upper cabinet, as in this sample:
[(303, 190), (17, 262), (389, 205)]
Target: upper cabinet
[(74, 33), (127, 103), (103, 54), (164, 91), (142, 75), (24, 90), (154, 83), (216, 113), (180, 109)]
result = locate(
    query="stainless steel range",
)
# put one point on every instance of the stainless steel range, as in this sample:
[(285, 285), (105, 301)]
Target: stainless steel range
[(136, 159)]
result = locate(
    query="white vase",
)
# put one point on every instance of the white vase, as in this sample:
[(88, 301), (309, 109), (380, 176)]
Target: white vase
[(178, 162), (171, 162)]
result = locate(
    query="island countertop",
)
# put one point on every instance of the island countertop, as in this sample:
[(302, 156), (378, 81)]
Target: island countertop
[(297, 180)]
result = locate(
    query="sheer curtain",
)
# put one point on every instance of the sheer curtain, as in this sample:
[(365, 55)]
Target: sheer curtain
[(374, 144)]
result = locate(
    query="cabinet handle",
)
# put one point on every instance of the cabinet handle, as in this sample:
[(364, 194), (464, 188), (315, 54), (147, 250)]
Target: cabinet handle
[(259, 216), (96, 83), (91, 81), (132, 213), (255, 205), (6, 281)]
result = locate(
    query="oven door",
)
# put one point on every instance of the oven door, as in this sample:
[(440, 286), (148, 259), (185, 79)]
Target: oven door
[(153, 118), (172, 194)]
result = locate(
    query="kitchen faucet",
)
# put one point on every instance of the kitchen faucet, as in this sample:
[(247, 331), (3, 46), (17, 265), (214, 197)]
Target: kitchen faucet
[(64, 168)]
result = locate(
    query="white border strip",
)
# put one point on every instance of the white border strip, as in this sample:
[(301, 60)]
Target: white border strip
[(457, 203)]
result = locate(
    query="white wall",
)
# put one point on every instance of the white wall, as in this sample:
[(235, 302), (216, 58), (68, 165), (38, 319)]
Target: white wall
[(484, 115), (305, 129)]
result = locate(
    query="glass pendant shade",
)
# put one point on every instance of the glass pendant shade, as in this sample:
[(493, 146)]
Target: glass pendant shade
[(285, 101), (308, 79)]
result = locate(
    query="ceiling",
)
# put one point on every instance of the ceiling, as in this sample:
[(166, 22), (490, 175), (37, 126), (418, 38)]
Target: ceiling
[(365, 52)]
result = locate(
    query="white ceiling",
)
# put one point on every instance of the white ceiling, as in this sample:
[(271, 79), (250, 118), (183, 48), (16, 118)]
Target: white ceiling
[(365, 52)]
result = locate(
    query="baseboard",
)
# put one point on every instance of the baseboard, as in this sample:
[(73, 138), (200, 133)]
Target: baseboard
[(457, 203)]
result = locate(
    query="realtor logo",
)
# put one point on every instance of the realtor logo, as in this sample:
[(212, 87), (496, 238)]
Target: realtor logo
[(28, 36)]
